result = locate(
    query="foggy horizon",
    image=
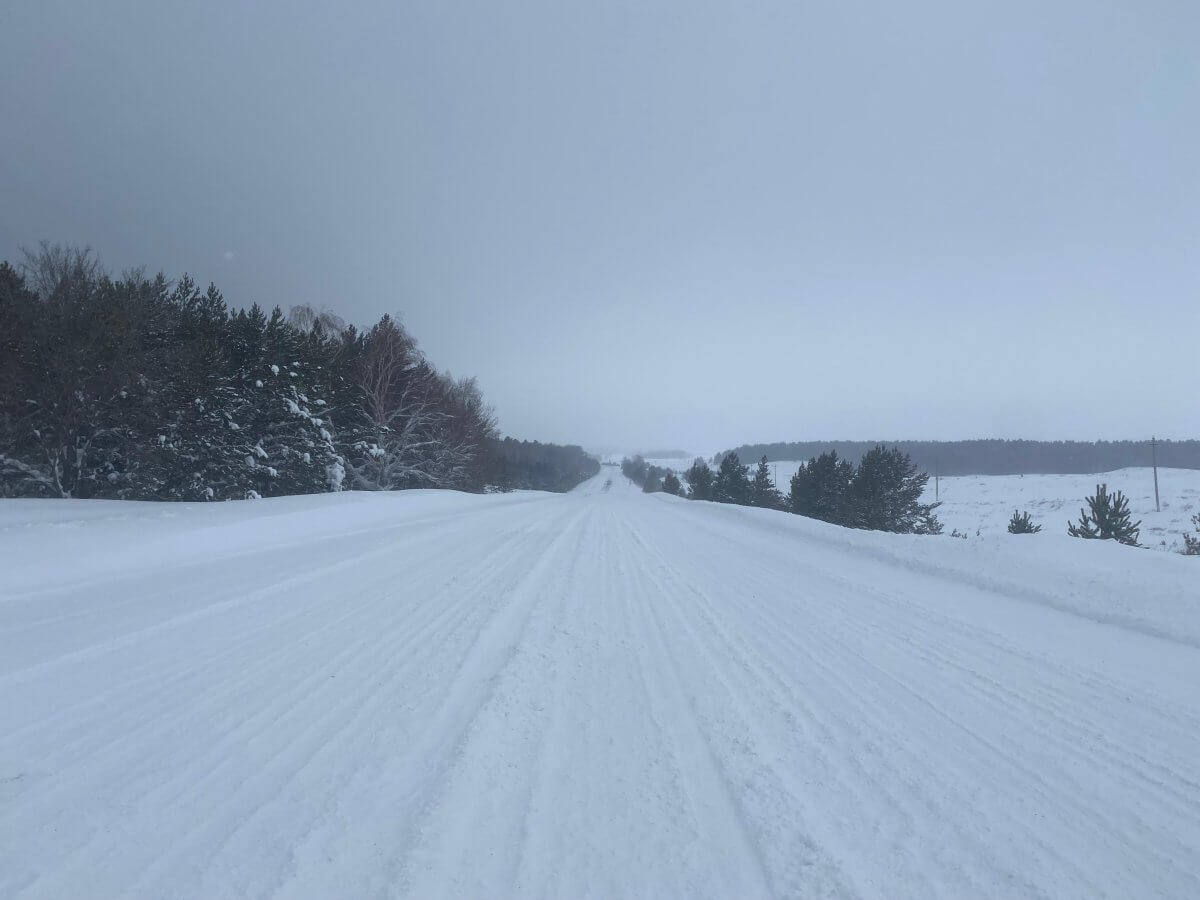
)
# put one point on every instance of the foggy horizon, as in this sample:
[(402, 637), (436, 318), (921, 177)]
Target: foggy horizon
[(444, 604), (691, 226)]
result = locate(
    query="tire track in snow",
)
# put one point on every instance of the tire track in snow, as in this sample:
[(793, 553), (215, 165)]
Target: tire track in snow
[(1062, 791), (271, 669), (846, 690), (400, 788), (800, 865), (846, 696), (715, 799), (332, 734), (484, 797), (105, 593)]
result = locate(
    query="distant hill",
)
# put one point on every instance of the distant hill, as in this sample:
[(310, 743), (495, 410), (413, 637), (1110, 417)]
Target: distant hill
[(531, 465), (997, 457), (666, 454)]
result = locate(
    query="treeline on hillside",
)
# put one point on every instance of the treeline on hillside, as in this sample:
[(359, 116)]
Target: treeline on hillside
[(882, 493), (999, 457), (652, 479), (138, 387), (529, 465)]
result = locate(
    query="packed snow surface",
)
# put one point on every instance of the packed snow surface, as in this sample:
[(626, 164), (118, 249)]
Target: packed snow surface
[(602, 694)]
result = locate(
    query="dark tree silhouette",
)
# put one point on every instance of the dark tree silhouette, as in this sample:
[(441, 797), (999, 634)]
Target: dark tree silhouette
[(820, 489), (732, 484), (700, 480), (885, 494), (635, 469), (762, 488), (143, 388), (671, 484)]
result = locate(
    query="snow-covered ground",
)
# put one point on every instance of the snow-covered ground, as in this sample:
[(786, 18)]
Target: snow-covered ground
[(602, 694), (983, 504), (974, 503)]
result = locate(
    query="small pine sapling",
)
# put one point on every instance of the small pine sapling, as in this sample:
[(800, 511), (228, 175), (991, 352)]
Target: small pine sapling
[(1191, 543), (1021, 523), (1109, 520)]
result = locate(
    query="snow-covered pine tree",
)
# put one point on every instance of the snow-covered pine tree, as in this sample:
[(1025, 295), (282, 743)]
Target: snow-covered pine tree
[(91, 368), (1109, 519), (22, 472), (192, 431), (276, 426)]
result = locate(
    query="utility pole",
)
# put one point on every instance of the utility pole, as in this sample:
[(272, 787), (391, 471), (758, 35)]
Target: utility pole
[(1154, 462)]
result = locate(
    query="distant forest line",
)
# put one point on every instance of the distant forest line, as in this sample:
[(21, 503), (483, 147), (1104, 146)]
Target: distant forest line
[(665, 454), (997, 457)]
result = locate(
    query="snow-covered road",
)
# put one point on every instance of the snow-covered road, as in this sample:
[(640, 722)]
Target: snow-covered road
[(602, 694)]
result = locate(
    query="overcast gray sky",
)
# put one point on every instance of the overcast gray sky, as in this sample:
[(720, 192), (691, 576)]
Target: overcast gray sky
[(681, 223)]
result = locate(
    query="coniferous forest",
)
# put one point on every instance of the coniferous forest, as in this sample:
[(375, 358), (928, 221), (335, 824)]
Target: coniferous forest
[(997, 456), (140, 387)]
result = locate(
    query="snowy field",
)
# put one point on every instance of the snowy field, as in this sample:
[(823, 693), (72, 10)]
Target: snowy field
[(982, 504), (602, 694), (974, 503)]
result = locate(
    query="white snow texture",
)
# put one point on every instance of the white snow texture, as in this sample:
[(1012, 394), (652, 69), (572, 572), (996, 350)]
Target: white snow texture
[(601, 694)]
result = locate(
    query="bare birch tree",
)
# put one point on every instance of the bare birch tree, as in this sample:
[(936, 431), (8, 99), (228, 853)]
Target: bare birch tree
[(399, 444)]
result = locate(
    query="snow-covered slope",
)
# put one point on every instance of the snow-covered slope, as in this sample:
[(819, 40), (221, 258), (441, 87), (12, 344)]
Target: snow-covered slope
[(593, 695), (982, 504)]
